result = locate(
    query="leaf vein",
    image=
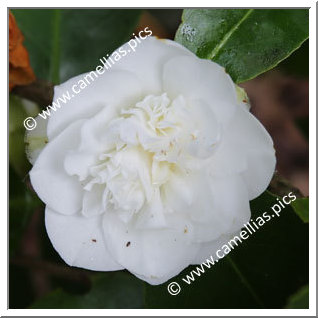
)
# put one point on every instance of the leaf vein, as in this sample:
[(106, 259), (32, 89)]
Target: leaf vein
[(227, 35)]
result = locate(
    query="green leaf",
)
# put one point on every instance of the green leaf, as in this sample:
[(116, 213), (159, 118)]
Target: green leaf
[(247, 42), (300, 300), (261, 272), (109, 290), (63, 43), (301, 207)]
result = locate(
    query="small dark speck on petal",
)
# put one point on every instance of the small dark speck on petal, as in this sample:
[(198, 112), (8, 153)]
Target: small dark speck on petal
[(128, 243), (93, 240)]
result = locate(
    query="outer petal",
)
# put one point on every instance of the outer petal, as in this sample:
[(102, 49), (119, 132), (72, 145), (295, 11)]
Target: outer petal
[(215, 205), (56, 188), (117, 88), (224, 213), (252, 141), (79, 241), (261, 167), (148, 59), (153, 255), (197, 78)]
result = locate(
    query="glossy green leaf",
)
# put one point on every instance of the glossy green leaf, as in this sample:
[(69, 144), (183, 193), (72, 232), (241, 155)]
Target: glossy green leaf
[(262, 272), (300, 300), (109, 290), (247, 42), (63, 43), (301, 207)]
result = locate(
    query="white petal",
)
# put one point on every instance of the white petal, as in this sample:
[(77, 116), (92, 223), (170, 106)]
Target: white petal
[(245, 148), (204, 119), (154, 280), (50, 181), (261, 167), (253, 141), (94, 140), (78, 163), (111, 88), (222, 208), (180, 192), (152, 215), (209, 249), (197, 78), (93, 201), (229, 158), (79, 241), (148, 59), (152, 254), (215, 205)]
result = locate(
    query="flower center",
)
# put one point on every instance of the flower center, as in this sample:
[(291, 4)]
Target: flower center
[(148, 144)]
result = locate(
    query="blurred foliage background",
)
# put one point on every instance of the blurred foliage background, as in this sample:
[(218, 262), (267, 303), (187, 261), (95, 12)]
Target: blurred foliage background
[(269, 270)]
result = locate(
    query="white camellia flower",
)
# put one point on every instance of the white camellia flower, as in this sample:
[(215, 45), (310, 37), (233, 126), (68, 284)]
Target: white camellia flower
[(152, 166)]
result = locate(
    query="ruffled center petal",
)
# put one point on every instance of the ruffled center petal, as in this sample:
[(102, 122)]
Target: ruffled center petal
[(129, 160)]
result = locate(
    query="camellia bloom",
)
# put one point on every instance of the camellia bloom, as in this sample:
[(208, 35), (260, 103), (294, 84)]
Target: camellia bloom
[(152, 166)]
